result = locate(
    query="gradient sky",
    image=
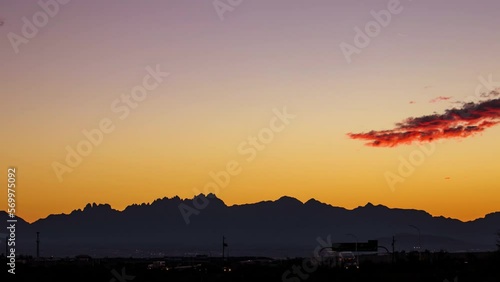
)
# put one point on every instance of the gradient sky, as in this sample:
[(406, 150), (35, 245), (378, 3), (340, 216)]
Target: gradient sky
[(226, 76)]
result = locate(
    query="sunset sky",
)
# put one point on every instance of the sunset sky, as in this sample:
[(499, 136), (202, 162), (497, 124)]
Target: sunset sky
[(228, 73)]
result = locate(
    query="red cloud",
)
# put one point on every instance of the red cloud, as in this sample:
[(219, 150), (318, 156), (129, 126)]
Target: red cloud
[(454, 123), (440, 98)]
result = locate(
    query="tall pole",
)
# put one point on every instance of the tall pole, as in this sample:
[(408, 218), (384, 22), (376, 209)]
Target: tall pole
[(37, 245)]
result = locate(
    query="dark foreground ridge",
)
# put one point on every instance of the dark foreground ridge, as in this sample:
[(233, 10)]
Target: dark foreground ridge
[(407, 267)]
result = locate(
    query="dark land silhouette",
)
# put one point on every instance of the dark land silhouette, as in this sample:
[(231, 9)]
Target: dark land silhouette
[(282, 228), (435, 267)]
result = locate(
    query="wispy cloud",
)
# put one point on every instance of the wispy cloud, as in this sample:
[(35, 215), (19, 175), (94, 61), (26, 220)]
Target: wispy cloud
[(491, 94), (463, 122), (440, 98)]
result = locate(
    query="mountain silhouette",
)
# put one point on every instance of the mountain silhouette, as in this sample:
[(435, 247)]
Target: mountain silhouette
[(285, 227)]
